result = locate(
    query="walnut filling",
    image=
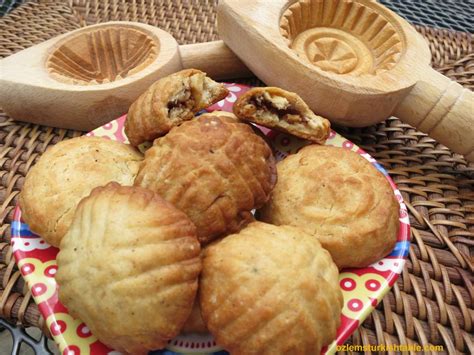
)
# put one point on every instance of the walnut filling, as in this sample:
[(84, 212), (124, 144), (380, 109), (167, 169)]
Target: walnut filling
[(278, 109), (275, 108), (196, 91), (182, 103)]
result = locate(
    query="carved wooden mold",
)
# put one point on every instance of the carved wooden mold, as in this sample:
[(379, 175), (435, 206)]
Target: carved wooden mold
[(102, 55), (341, 36)]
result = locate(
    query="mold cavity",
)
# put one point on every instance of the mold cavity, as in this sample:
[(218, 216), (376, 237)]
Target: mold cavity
[(102, 55), (341, 36)]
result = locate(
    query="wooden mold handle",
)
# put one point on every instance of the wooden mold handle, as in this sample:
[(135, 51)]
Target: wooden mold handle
[(214, 58), (443, 109)]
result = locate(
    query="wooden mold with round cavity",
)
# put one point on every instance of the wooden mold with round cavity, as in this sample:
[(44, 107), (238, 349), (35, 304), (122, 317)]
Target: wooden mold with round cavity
[(354, 62), (102, 55), (343, 37), (92, 75)]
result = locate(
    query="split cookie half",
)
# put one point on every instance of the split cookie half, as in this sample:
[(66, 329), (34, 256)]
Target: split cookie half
[(282, 110), (169, 102)]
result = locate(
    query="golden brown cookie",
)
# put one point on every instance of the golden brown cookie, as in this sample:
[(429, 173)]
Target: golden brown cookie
[(169, 102), (257, 130), (214, 169), (283, 110), (128, 267), (66, 173), (222, 114), (270, 290), (195, 324), (341, 198)]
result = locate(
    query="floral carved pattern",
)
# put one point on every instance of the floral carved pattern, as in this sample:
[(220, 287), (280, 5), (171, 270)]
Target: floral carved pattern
[(332, 55)]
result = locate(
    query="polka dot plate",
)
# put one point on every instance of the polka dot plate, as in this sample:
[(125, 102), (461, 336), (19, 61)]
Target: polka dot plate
[(362, 289)]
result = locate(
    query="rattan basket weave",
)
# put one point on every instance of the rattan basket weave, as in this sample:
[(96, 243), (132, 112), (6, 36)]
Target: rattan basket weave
[(431, 303)]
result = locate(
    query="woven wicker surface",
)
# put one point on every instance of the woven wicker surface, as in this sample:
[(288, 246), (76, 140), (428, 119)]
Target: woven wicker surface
[(452, 14), (433, 300)]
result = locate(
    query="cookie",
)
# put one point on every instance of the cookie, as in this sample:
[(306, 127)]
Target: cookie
[(338, 196), (270, 290), (169, 102), (282, 110), (215, 169), (128, 267), (66, 173)]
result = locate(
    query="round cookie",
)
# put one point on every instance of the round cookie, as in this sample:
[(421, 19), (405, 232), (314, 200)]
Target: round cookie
[(128, 267), (341, 198), (213, 168), (66, 173), (270, 290)]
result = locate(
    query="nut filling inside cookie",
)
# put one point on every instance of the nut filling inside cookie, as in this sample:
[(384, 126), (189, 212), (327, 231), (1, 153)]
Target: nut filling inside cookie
[(181, 103), (195, 91), (278, 109)]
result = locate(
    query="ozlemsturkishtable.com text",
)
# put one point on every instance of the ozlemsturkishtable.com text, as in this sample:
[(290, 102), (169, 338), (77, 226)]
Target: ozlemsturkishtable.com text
[(390, 347)]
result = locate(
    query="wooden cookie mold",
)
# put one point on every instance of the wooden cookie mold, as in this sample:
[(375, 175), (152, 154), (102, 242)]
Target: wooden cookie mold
[(90, 76), (341, 37), (102, 55), (354, 62)]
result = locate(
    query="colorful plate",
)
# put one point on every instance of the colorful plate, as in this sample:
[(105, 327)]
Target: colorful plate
[(363, 288)]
